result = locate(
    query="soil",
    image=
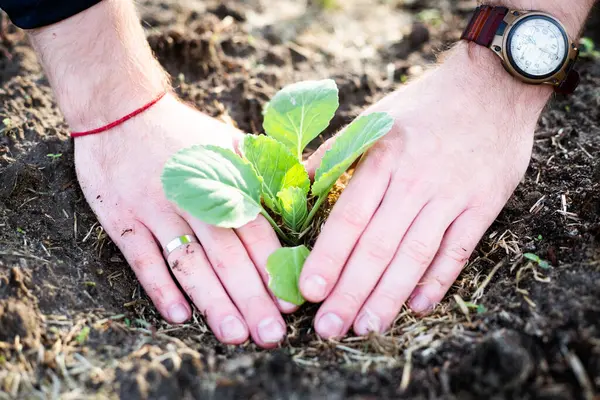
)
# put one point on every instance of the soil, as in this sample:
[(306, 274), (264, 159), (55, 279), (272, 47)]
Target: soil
[(74, 323)]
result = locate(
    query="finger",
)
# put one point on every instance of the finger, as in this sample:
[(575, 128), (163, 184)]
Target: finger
[(345, 224), (197, 278), (260, 242), (416, 251), (145, 258), (375, 249), (456, 249), (313, 162), (240, 278)]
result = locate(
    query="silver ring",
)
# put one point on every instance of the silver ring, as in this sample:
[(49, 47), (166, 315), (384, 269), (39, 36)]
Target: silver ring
[(178, 242)]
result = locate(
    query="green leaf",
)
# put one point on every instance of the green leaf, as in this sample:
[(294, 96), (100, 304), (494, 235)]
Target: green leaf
[(284, 267), (214, 185), (300, 112), (83, 335), (538, 260), (293, 205), (587, 44), (277, 167), (348, 146), (533, 257)]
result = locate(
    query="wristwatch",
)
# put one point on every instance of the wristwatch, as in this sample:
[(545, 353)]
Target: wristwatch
[(534, 46)]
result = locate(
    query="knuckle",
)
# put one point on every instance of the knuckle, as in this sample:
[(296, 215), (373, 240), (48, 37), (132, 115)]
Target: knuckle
[(254, 303), (388, 302), (216, 306), (328, 260), (457, 253), (419, 252), (142, 262), (379, 158), (160, 293), (186, 260), (256, 232), (354, 216), (440, 282), (228, 255), (379, 248), (351, 300)]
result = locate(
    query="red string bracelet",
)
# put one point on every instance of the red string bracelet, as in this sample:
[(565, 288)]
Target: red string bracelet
[(119, 121)]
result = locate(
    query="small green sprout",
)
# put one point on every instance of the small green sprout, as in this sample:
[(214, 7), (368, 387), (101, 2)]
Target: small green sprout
[(83, 335), (431, 16), (143, 323), (54, 156), (222, 188), (587, 49), (536, 259), (21, 230), (90, 284), (8, 124), (539, 238), (479, 308), (327, 4)]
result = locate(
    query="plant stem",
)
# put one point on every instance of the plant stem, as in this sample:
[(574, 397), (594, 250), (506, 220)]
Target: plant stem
[(313, 211), (276, 227)]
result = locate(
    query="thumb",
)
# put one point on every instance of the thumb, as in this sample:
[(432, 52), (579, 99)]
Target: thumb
[(313, 162)]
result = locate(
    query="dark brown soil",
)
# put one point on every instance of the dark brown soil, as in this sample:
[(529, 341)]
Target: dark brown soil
[(74, 322)]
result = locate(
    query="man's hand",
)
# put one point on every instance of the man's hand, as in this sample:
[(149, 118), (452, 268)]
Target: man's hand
[(101, 68), (424, 195), (119, 172)]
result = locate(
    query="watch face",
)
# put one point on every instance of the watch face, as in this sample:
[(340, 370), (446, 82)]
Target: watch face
[(537, 47)]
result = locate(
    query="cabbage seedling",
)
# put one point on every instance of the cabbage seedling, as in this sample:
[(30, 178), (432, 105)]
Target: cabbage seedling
[(222, 188)]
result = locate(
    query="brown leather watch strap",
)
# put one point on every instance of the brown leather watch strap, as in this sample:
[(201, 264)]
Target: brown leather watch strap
[(570, 84), (485, 23)]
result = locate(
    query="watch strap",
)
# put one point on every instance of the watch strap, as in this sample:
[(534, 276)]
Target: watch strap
[(570, 84), (484, 24)]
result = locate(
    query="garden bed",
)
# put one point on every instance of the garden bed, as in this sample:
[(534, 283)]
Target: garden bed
[(85, 327)]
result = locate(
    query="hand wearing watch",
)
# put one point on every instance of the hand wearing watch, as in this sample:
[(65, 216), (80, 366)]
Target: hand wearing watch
[(534, 46)]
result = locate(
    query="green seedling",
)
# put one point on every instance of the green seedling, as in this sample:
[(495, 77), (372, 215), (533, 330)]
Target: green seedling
[(536, 259), (8, 124), (83, 335), (479, 308), (228, 190), (54, 156), (587, 49)]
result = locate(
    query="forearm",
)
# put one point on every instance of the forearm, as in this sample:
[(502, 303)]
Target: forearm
[(99, 64)]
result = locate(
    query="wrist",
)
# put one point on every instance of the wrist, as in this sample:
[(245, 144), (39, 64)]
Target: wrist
[(99, 64), (479, 71)]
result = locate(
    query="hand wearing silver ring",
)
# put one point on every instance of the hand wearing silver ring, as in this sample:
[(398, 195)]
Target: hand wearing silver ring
[(221, 271)]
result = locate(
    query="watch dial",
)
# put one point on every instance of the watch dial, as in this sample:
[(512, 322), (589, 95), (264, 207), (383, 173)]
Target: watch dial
[(538, 46)]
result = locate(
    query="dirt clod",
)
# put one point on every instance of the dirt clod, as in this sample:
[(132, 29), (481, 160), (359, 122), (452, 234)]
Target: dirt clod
[(17, 318)]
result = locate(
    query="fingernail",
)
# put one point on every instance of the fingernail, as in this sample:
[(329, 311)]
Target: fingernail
[(232, 329), (330, 325), (271, 331), (420, 304), (178, 313), (368, 323), (314, 287), (285, 306)]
